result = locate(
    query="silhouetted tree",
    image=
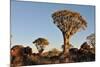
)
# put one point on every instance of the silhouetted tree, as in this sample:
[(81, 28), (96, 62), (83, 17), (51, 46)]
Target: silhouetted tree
[(40, 44), (91, 39), (69, 23)]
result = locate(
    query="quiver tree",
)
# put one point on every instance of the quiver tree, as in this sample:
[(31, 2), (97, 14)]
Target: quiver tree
[(69, 23), (40, 44)]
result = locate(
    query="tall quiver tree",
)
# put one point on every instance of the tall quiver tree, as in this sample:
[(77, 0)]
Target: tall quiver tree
[(69, 23)]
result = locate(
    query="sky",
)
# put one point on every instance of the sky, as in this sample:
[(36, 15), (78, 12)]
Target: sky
[(31, 20)]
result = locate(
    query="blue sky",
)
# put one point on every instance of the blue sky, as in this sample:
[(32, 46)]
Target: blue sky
[(31, 20)]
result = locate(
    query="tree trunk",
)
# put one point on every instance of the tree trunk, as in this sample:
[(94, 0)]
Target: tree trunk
[(66, 43), (40, 52), (66, 47)]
